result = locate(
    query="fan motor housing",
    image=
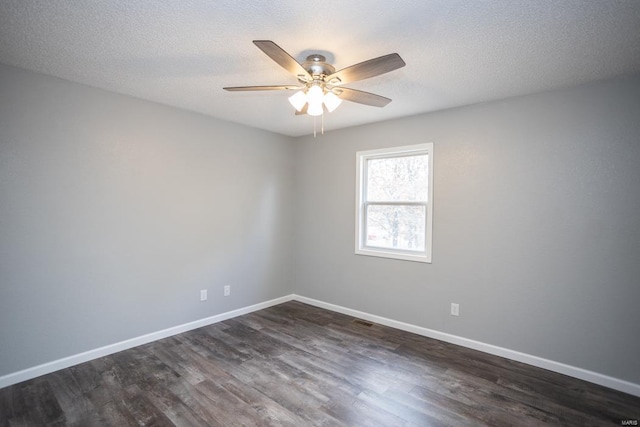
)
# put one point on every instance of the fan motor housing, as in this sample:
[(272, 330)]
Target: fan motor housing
[(316, 65)]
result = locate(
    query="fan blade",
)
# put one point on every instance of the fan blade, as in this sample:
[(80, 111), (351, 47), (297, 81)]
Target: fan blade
[(247, 88), (282, 58), (364, 70), (361, 97), (303, 111)]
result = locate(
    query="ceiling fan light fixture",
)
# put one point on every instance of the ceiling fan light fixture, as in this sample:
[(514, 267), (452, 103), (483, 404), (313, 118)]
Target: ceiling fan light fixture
[(318, 80), (331, 101), (298, 100)]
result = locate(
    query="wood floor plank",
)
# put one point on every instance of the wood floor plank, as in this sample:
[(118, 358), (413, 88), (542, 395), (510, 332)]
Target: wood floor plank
[(38, 403), (200, 406), (406, 412), (298, 365), (446, 415), (77, 408), (269, 411)]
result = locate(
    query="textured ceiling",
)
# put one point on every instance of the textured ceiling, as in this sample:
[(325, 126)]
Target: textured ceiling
[(182, 53)]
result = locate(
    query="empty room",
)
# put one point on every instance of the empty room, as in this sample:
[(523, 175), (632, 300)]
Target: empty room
[(281, 213)]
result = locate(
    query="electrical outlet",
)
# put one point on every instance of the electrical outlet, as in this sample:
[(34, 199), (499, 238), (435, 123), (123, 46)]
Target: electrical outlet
[(227, 290), (203, 295), (455, 309)]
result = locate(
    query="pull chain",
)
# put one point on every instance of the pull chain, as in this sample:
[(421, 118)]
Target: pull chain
[(315, 123)]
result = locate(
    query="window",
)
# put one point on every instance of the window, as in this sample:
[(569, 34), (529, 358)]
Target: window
[(394, 190)]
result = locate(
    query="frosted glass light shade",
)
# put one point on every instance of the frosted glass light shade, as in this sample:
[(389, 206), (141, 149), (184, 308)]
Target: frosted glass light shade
[(331, 101), (315, 95), (314, 99), (314, 109), (298, 100)]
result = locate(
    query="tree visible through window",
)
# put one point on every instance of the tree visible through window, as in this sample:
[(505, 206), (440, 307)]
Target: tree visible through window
[(394, 206)]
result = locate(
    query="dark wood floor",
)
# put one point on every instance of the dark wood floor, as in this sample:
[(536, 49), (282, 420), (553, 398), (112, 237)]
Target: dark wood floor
[(297, 365)]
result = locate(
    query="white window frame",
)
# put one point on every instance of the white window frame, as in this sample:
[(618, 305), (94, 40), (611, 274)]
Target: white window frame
[(361, 203)]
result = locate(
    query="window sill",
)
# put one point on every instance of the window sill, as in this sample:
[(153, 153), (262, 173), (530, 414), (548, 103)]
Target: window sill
[(394, 255)]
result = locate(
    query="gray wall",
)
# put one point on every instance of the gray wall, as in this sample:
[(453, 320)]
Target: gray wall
[(536, 226), (115, 212)]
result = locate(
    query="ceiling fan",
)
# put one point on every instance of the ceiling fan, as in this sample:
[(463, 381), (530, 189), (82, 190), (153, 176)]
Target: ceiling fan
[(320, 85)]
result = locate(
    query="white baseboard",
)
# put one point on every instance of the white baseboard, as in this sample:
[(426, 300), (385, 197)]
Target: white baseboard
[(47, 368), (572, 371)]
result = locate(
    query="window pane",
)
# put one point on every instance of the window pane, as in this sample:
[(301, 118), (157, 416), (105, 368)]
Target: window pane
[(396, 227), (398, 179)]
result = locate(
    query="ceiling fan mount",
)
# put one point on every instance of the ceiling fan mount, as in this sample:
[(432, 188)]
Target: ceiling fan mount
[(317, 66), (320, 85)]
